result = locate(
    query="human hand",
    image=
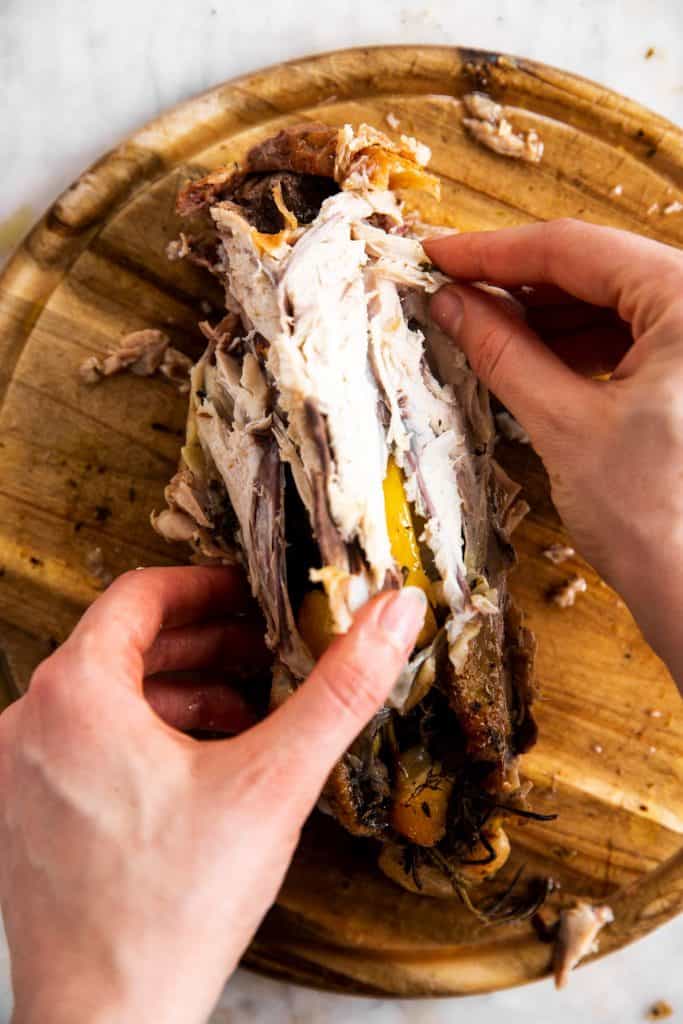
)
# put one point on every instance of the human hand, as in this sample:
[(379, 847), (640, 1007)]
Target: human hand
[(600, 300), (137, 862)]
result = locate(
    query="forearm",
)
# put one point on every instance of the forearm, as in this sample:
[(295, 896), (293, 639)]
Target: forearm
[(67, 984)]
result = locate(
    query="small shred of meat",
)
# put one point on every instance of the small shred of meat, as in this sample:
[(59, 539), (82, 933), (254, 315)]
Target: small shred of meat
[(510, 428), (91, 370), (558, 553), (576, 939), (174, 525), (182, 493), (176, 366), (565, 595), (488, 124), (143, 353), (482, 107), (94, 563), (178, 249), (401, 259), (502, 139)]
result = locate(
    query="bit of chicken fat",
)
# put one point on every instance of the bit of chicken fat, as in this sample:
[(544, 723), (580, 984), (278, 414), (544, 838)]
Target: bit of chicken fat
[(576, 938)]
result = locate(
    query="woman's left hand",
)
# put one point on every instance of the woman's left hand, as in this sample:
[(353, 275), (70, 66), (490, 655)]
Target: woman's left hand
[(137, 862)]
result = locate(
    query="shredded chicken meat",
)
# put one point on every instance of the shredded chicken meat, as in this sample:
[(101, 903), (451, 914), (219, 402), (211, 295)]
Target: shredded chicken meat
[(488, 123), (143, 353), (324, 382), (565, 595), (559, 553)]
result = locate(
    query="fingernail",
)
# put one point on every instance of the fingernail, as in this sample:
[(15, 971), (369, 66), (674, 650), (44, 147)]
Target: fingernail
[(403, 615), (446, 309)]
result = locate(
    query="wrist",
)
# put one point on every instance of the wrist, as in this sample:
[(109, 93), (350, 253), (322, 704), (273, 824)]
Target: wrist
[(74, 998)]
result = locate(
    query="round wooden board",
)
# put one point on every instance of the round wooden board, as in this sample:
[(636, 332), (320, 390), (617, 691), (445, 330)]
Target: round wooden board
[(82, 467)]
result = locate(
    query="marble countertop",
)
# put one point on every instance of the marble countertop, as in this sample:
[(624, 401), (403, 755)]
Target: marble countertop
[(78, 75)]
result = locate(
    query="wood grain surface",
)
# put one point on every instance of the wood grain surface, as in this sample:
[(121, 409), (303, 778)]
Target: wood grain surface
[(83, 467)]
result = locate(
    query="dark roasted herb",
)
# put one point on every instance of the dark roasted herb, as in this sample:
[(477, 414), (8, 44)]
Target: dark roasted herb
[(502, 907), (521, 813), (410, 858)]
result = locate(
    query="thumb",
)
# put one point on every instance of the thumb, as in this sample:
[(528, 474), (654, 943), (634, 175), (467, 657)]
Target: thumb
[(351, 680), (507, 355)]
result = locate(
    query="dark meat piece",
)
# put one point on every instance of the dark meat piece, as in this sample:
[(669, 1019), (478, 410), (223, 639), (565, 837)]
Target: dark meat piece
[(333, 548), (302, 194), (200, 249), (267, 531), (306, 149), (493, 693), (478, 696), (222, 333), (206, 191)]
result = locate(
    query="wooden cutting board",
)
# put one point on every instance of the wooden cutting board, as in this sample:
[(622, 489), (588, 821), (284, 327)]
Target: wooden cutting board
[(83, 467)]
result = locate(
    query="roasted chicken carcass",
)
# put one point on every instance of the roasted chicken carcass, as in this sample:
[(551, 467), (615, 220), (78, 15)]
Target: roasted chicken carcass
[(338, 444)]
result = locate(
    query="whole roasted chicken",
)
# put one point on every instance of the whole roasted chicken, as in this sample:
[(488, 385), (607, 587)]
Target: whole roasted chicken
[(338, 445)]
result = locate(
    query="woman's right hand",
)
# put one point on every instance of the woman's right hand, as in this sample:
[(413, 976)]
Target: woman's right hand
[(597, 299)]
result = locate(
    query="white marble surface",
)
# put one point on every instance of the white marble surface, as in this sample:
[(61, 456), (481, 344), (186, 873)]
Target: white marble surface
[(77, 75)]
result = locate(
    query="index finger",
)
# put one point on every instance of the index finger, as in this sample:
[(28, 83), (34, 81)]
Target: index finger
[(600, 265), (123, 623)]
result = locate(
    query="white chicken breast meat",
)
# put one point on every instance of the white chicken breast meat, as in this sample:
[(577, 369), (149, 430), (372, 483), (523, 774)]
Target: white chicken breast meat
[(338, 445)]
